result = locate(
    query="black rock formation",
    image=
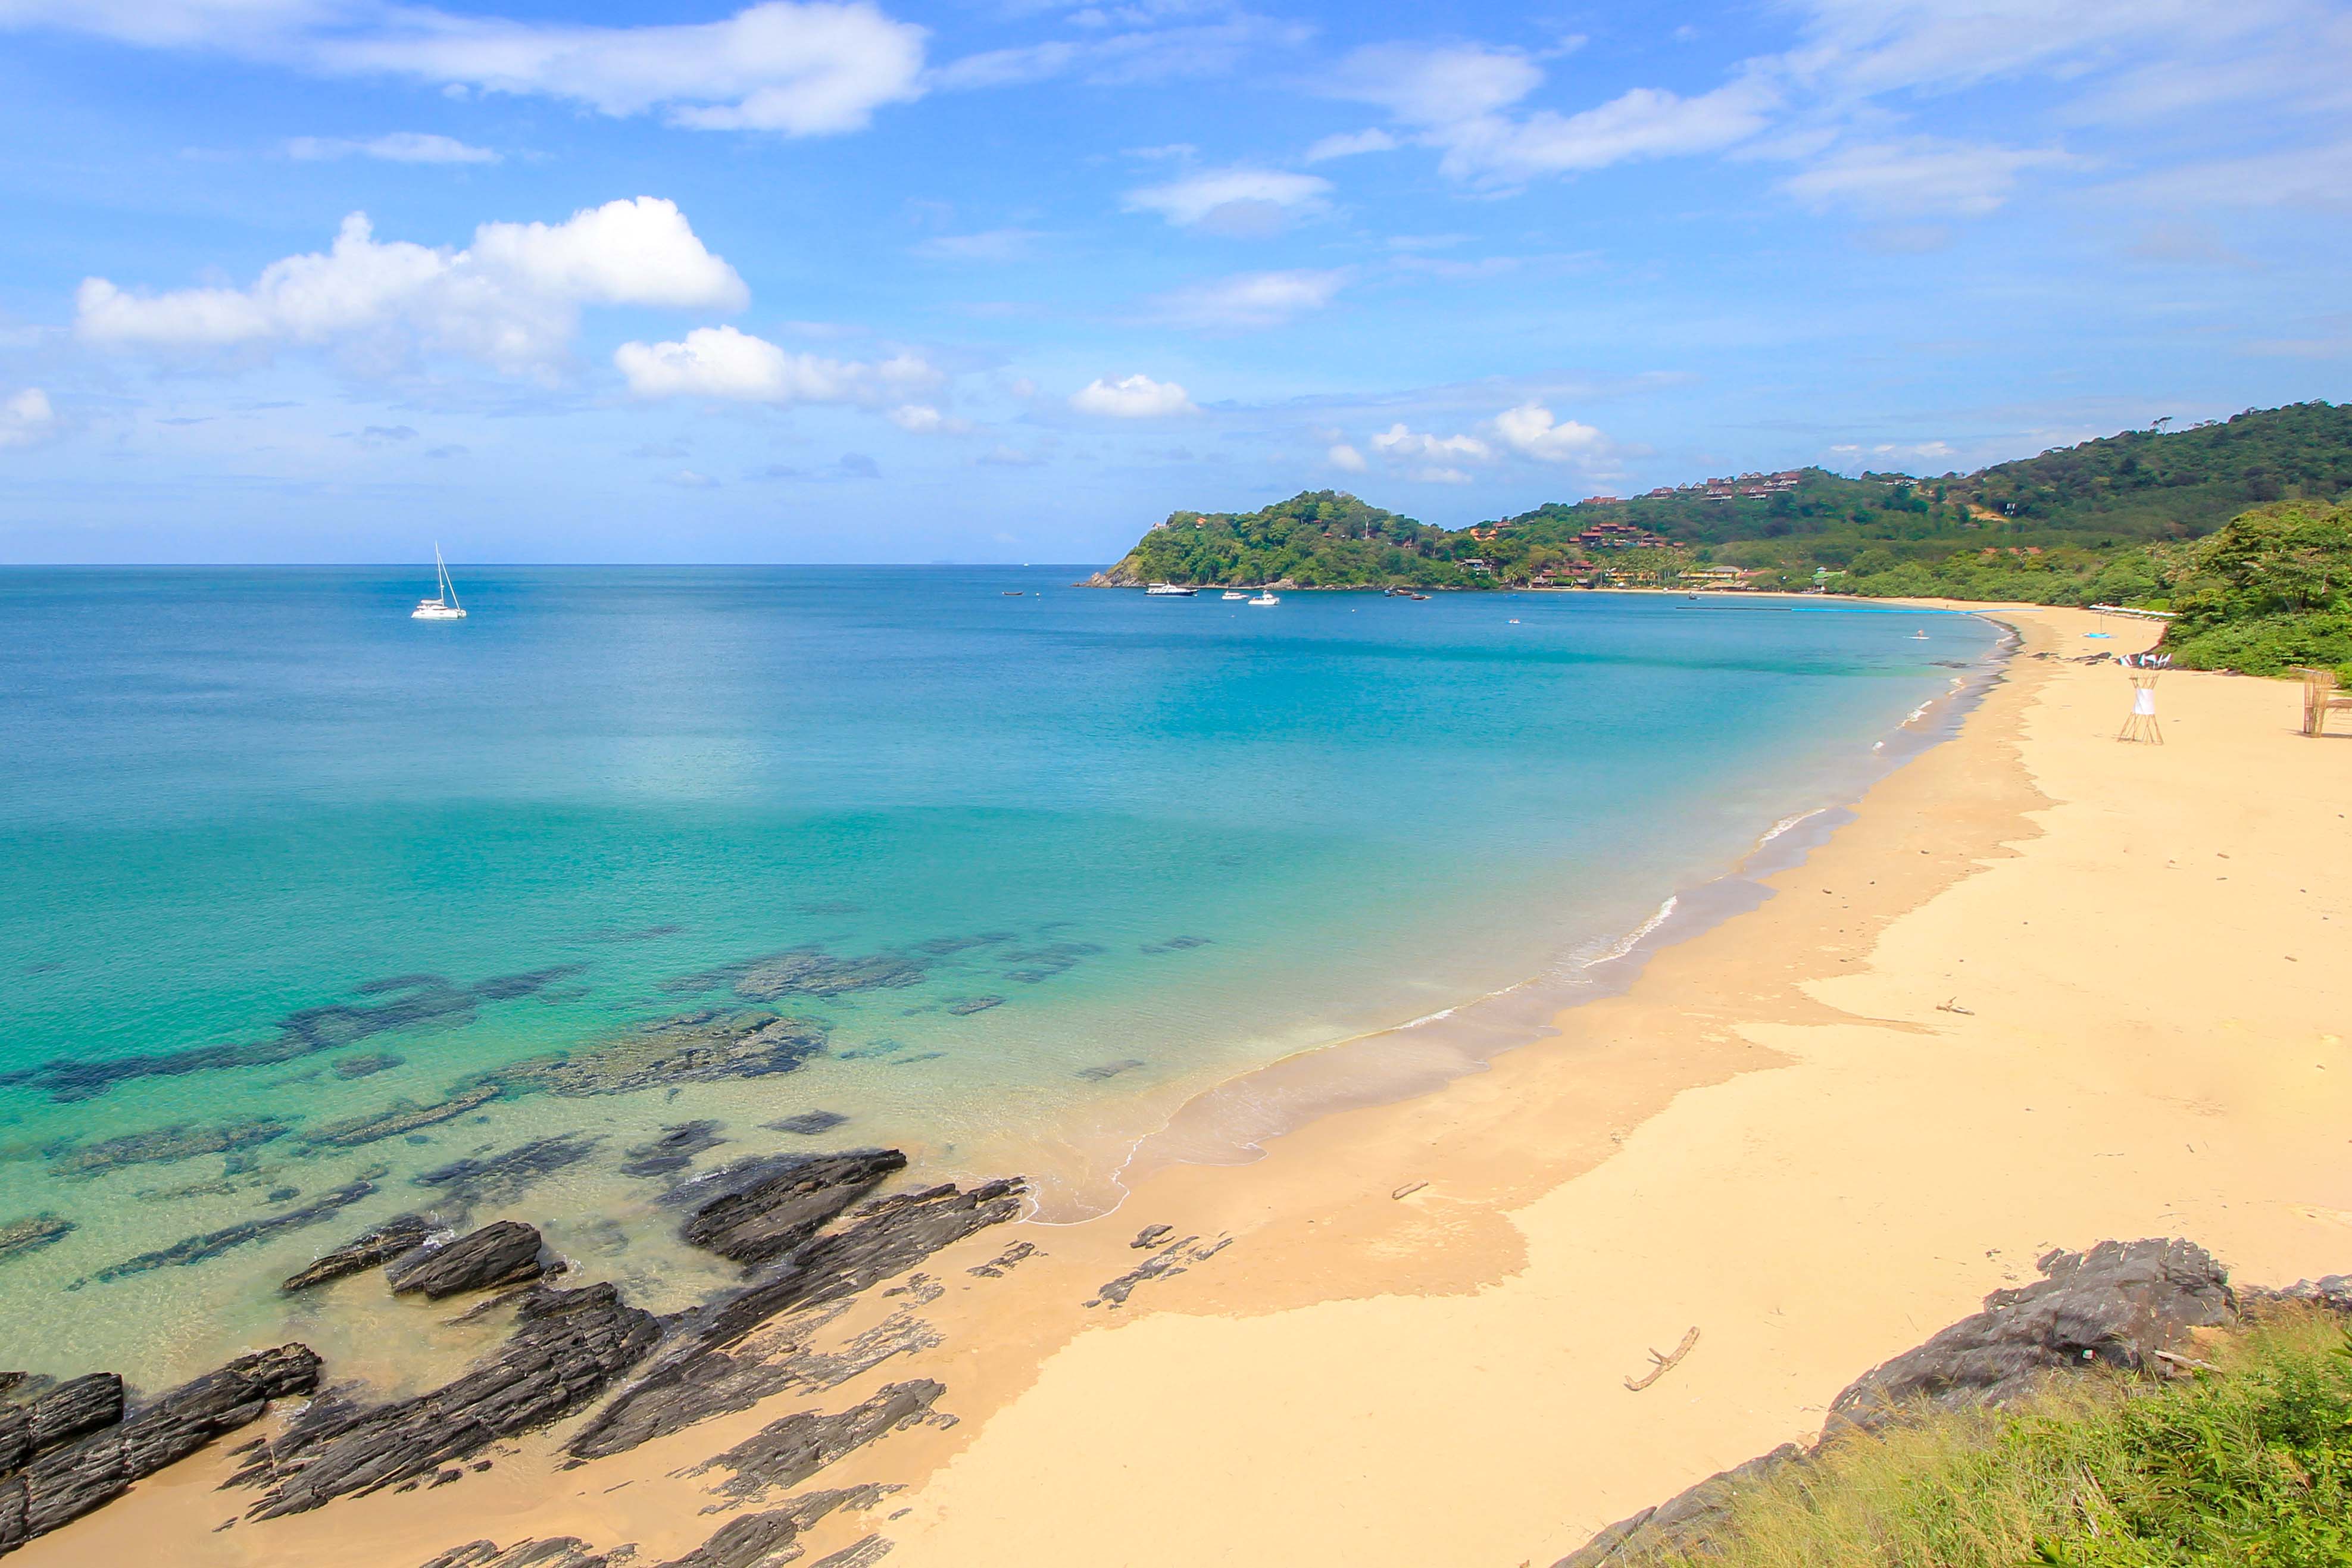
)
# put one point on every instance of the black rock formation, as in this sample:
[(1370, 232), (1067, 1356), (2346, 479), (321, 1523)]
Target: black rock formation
[(767, 1540), (162, 1145), (31, 1233), (558, 1552), (811, 971), (785, 1453), (2114, 1305), (401, 1116), (502, 1253), (501, 1178), (213, 1243), (57, 1415), (695, 1377), (704, 1047), (394, 1238), (672, 1151), (67, 1481), (778, 1213), (568, 1346), (808, 1124)]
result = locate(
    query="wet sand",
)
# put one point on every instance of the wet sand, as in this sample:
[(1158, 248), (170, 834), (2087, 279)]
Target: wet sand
[(2045, 989)]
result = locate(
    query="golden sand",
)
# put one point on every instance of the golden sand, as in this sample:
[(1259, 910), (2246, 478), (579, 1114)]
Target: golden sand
[(2046, 989)]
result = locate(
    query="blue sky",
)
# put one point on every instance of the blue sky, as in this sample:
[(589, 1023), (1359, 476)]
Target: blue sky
[(1010, 279)]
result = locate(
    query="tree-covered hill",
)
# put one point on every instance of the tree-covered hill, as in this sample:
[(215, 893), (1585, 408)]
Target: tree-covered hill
[(2073, 526)]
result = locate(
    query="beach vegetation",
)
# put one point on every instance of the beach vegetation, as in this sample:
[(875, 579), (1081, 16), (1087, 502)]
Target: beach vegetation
[(2245, 1460)]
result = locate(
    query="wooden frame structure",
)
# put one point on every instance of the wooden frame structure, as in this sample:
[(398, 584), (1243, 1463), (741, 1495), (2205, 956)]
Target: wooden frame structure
[(2321, 698), (2141, 723)]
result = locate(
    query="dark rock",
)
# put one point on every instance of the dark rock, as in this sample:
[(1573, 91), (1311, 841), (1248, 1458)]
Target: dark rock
[(1165, 1264), (502, 1253), (1042, 964), (705, 1047), (58, 1415), (967, 1004), (693, 1378), (501, 1178), (422, 999), (770, 1540), (2112, 1306), (367, 1064), (1109, 1070), (66, 1482), (396, 1236), (811, 971), (165, 1145), (1002, 1264), (672, 1151), (1684, 1522), (568, 1346), (31, 1234), (774, 1215), (401, 1117), (2333, 1293), (785, 1453), (808, 1124), (559, 1551), (1151, 1236), (213, 1243), (862, 1553), (284, 1194)]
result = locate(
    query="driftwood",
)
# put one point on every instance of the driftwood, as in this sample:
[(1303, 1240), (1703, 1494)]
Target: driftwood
[(1954, 1006), (1666, 1362), (1407, 1190), (2168, 1357)]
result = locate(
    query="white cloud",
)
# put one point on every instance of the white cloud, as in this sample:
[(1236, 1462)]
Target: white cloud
[(511, 298), (991, 245), (1919, 177), (1532, 432), (1439, 476), (1644, 123), (922, 419), (1131, 397), (1233, 201), (397, 147), (801, 68), (26, 418), (1399, 444), (722, 363), (1350, 143), (1251, 299), (1346, 458), (1436, 86)]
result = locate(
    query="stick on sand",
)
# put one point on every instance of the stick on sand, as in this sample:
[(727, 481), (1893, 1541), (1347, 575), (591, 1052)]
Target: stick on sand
[(1666, 1362)]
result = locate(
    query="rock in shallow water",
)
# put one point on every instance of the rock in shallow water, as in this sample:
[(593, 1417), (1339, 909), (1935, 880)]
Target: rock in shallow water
[(213, 1243), (396, 1236), (703, 1047), (771, 1215), (503, 1252), (501, 1178), (31, 1234), (672, 1151), (402, 1116), (162, 1145)]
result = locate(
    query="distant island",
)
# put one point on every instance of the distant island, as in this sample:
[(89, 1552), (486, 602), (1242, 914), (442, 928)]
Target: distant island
[(2240, 526)]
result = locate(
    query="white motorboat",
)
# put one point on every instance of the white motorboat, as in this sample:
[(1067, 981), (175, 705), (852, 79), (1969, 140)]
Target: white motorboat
[(1268, 597), (444, 604), (1169, 591), (1235, 593)]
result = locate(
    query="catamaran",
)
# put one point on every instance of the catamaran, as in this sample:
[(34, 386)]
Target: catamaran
[(444, 604)]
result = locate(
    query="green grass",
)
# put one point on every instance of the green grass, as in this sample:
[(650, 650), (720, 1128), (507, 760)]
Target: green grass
[(2249, 1465)]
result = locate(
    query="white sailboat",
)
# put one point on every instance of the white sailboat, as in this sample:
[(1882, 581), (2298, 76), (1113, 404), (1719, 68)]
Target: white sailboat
[(442, 606)]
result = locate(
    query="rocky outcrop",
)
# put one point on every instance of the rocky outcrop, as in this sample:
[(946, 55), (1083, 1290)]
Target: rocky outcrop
[(162, 1145), (1170, 1261), (504, 1252), (62, 1484), (2112, 1306), (567, 1348), (769, 1539), (807, 1123), (811, 971), (785, 1453), (31, 1234), (703, 1047), (213, 1243), (557, 1552), (776, 1213), (493, 1180), (673, 1151), (395, 1238), (696, 1377), (2115, 1306), (57, 1415)]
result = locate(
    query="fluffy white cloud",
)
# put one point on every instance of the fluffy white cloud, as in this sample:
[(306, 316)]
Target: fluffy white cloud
[(26, 418), (803, 68), (1346, 458), (922, 419), (511, 298), (1436, 86), (1233, 201), (722, 363), (1643, 123), (1131, 397), (1921, 176), (1532, 432), (1251, 299), (1348, 144), (397, 147), (1399, 444)]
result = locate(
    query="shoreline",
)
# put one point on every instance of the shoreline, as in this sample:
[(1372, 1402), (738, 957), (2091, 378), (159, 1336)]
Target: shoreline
[(1776, 1133)]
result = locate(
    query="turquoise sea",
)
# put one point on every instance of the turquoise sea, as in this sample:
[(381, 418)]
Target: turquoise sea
[(1057, 861)]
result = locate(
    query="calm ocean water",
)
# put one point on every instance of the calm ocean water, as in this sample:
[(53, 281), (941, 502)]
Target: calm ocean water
[(1097, 851)]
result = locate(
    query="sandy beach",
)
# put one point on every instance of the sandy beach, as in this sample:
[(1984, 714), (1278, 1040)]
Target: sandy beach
[(2045, 989)]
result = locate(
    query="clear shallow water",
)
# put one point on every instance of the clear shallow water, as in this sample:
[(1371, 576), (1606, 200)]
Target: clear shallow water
[(1179, 838)]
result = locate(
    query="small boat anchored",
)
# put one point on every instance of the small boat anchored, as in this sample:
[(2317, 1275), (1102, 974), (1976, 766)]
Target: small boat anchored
[(1267, 596), (1169, 591), (444, 604)]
